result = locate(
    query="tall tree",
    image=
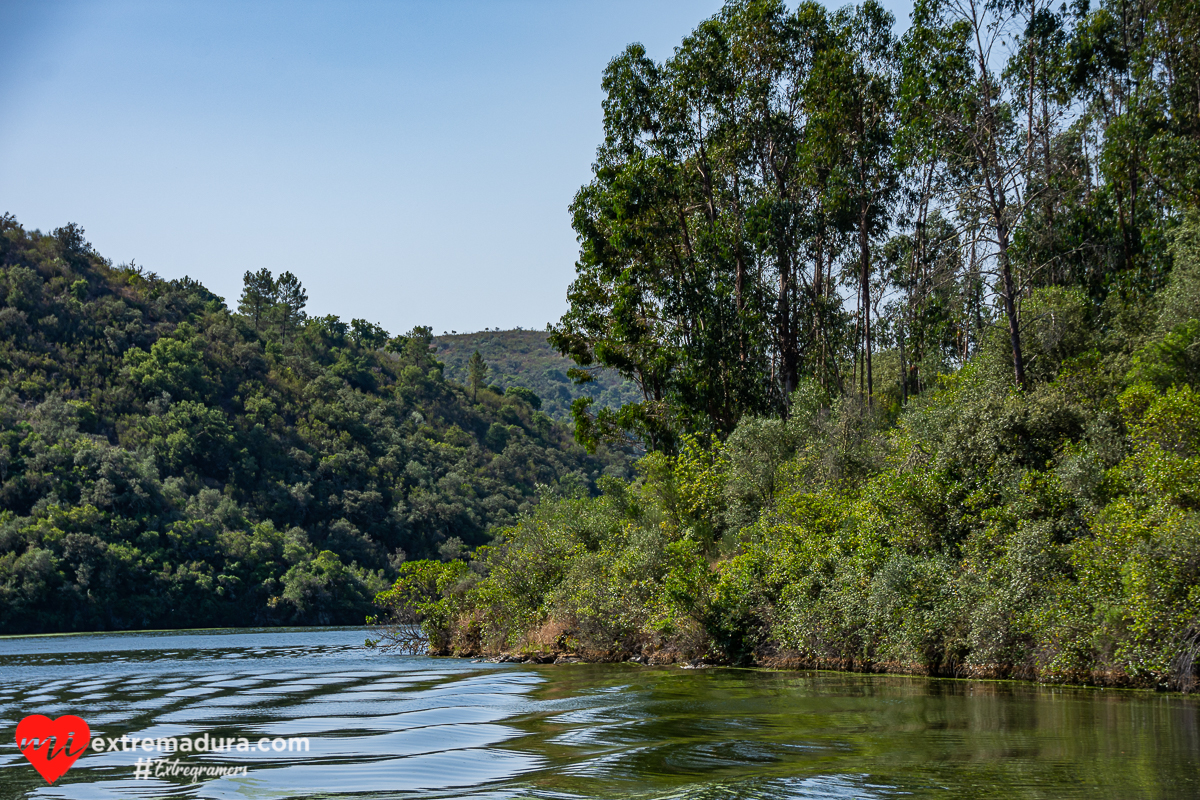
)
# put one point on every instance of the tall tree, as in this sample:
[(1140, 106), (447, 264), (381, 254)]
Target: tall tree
[(856, 109), (290, 302), (477, 370), (259, 292), (969, 107), (701, 191)]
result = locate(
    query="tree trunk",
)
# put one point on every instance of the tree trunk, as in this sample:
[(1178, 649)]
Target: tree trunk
[(1010, 304), (819, 303), (993, 176), (864, 244), (787, 341)]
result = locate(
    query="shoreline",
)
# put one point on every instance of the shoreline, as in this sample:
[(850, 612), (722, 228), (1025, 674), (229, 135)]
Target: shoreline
[(794, 662)]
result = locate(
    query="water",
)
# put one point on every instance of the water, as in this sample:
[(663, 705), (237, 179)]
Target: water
[(387, 726)]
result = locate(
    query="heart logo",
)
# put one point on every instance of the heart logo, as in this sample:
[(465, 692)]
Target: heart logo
[(52, 746)]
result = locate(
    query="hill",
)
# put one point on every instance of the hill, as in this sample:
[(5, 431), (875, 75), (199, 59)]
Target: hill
[(525, 358), (166, 461)]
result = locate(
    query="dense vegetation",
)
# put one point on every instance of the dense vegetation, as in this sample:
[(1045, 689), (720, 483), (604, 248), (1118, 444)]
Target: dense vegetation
[(526, 359), (165, 461), (916, 324)]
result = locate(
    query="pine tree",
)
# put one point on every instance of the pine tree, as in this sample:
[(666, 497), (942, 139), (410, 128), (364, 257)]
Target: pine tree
[(476, 373), (290, 301), (258, 296)]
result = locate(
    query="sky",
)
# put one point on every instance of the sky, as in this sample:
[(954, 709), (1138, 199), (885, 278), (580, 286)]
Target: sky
[(411, 162)]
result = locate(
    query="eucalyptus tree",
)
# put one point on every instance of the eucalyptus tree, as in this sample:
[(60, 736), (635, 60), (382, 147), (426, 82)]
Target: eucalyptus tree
[(937, 313), (1135, 70), (631, 221), (853, 92), (828, 219), (1038, 74), (662, 292), (720, 322), (695, 231), (1171, 60), (774, 60), (951, 93)]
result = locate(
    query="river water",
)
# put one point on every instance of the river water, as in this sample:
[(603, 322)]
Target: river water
[(389, 726)]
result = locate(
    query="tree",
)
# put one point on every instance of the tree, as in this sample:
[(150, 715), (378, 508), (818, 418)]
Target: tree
[(935, 314), (527, 395), (477, 370), (692, 280), (953, 96), (259, 292), (366, 334), (855, 103), (290, 301), (74, 247)]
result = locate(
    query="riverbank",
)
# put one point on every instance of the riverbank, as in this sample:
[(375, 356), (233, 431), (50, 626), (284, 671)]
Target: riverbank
[(799, 662), (557, 644)]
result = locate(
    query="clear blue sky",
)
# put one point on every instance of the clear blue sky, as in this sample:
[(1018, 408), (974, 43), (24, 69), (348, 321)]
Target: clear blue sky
[(411, 162)]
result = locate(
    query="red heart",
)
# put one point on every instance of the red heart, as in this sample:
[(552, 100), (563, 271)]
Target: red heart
[(34, 734)]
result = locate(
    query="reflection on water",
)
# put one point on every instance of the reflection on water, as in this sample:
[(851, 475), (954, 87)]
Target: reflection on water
[(391, 726)]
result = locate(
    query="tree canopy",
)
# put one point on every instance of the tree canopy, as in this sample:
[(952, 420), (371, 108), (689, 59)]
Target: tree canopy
[(166, 462), (793, 190)]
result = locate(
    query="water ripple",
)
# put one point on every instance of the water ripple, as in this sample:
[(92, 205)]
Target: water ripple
[(385, 726)]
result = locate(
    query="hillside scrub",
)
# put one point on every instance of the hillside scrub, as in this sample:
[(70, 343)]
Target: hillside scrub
[(520, 360), (165, 461)]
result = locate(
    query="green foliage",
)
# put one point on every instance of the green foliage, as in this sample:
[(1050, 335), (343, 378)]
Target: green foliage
[(290, 300), (1022, 500), (427, 593), (1056, 326), (171, 367), (258, 296), (1181, 298), (476, 373), (1049, 534), (524, 395), (164, 462), (525, 359), (1172, 360)]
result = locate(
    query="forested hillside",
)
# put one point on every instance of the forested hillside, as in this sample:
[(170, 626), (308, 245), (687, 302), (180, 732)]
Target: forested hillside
[(917, 322), (166, 461), (526, 359)]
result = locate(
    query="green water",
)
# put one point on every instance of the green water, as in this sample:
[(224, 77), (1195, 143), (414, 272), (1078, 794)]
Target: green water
[(390, 726)]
